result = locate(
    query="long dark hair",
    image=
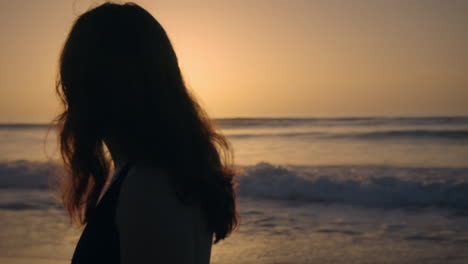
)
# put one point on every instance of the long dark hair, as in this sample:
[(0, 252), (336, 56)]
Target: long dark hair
[(119, 78)]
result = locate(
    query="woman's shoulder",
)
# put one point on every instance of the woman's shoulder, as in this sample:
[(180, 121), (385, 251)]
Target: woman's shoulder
[(147, 191), (144, 175), (147, 184), (146, 197), (153, 223)]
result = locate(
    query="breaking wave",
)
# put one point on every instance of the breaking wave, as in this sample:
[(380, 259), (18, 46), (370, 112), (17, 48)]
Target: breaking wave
[(368, 186), (374, 187), (372, 135)]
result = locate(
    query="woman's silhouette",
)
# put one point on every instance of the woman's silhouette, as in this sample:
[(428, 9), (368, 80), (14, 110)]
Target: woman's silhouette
[(172, 189)]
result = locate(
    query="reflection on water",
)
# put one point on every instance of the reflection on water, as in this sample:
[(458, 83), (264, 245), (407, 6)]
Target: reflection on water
[(355, 190)]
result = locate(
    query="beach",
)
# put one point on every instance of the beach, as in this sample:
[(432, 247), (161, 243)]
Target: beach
[(311, 190)]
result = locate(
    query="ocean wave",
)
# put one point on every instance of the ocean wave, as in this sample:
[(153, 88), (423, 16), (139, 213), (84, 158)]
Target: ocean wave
[(42, 204), (368, 186), (372, 135), (229, 123), (446, 134), (24, 174), (23, 126), (267, 181), (342, 121)]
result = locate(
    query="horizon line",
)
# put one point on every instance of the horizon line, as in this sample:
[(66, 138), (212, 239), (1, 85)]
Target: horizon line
[(3, 123)]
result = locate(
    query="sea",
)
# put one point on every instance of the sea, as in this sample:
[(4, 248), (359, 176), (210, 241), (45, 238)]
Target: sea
[(310, 190)]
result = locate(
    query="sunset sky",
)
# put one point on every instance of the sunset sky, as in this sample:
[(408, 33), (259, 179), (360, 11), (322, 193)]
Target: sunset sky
[(267, 58)]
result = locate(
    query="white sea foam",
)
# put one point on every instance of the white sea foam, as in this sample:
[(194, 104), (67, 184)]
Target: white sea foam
[(407, 187), (369, 186)]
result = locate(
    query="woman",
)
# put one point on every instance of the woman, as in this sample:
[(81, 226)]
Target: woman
[(172, 189)]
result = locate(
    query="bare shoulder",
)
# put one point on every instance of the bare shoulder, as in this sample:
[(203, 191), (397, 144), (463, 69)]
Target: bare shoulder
[(146, 180), (152, 222), (147, 190)]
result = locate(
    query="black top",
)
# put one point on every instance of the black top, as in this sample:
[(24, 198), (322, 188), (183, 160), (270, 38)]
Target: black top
[(99, 242)]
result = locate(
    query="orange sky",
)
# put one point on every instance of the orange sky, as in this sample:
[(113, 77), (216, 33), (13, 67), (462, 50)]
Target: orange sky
[(267, 57)]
